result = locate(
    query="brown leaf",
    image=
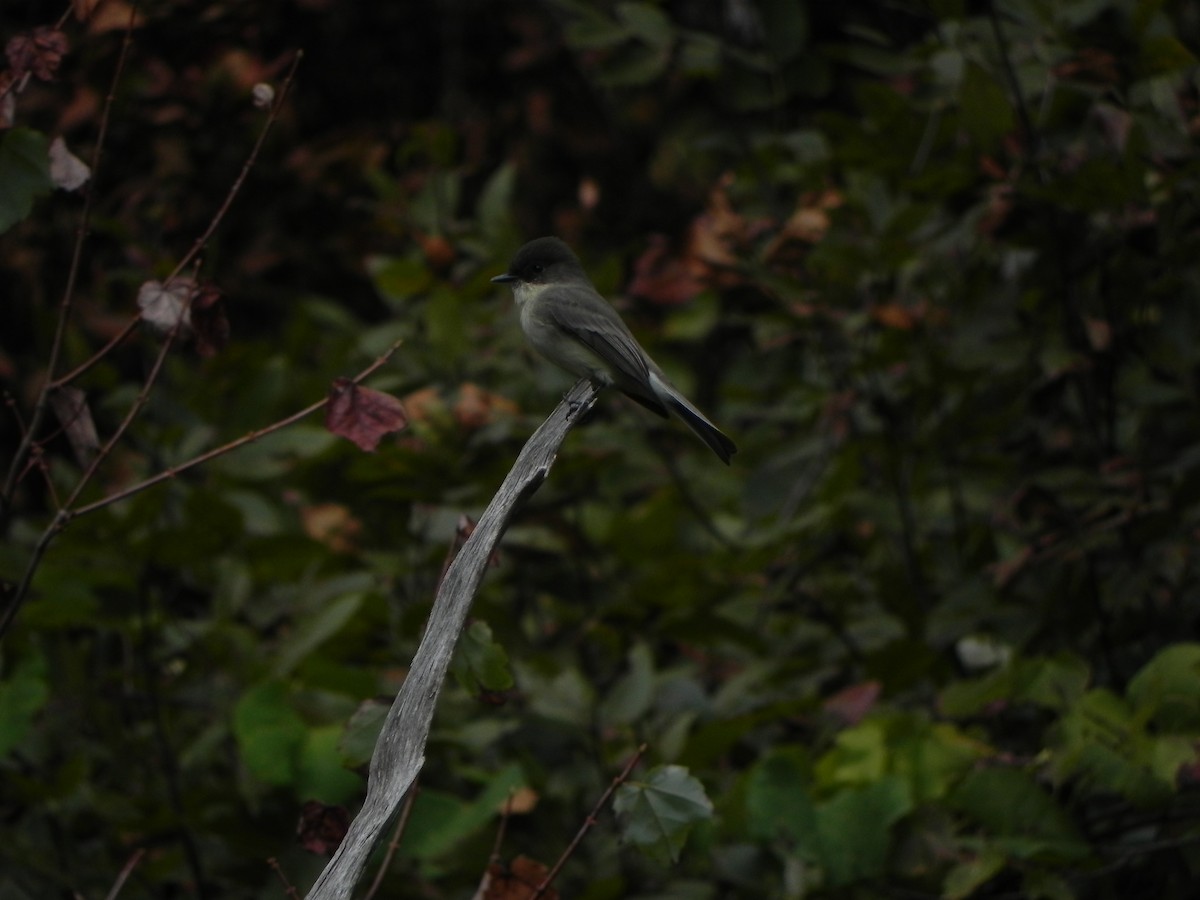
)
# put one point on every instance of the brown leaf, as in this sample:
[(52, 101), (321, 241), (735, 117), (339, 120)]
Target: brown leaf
[(362, 414), (321, 828), (439, 252), (476, 407), (894, 315), (39, 51), (71, 409), (662, 277), (522, 800), (332, 525), (516, 882), (114, 15)]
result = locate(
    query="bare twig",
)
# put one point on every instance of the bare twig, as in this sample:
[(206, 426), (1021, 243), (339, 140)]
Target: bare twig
[(589, 822), (65, 514), (272, 115), (122, 335), (394, 843), (496, 844), (288, 887), (125, 872), (64, 305), (199, 244)]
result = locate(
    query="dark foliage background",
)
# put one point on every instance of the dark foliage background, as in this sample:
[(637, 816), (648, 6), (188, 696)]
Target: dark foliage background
[(934, 266)]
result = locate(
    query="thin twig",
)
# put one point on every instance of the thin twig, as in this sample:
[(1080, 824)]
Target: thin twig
[(64, 305), (65, 514), (1010, 73), (248, 438), (589, 822), (288, 887), (272, 115), (125, 872), (507, 811), (130, 328), (394, 843)]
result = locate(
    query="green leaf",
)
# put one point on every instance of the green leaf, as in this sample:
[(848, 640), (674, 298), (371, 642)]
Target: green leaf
[(440, 821), (494, 210), (984, 107), (1010, 804), (777, 800), (1055, 683), (399, 279), (480, 664), (1165, 53), (1165, 690), (1100, 742), (314, 631), (658, 812), (631, 696), (269, 733), (647, 22), (854, 829), (24, 173), (963, 880), (634, 65), (22, 695), (860, 756), (785, 28), (320, 771), (362, 732)]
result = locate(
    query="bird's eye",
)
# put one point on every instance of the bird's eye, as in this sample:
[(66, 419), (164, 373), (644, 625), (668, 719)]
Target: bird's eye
[(537, 268)]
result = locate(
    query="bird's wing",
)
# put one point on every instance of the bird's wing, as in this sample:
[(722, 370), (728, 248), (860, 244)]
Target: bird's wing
[(596, 325)]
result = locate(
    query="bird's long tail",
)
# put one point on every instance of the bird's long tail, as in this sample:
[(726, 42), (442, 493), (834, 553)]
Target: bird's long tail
[(693, 418)]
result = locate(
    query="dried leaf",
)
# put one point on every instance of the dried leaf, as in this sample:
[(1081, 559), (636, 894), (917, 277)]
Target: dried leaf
[(522, 800), (84, 8), (333, 525), (165, 306), (664, 278), (8, 102), (518, 881), (361, 414), (322, 828), (71, 409), (476, 407), (114, 15), (67, 170), (262, 95), (38, 52)]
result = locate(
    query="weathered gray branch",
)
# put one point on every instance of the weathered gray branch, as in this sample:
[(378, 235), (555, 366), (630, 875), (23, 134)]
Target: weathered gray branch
[(400, 750)]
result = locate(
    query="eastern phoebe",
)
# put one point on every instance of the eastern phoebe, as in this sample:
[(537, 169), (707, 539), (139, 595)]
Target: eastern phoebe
[(570, 324)]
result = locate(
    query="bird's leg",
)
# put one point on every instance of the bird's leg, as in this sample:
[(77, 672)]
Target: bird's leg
[(573, 405)]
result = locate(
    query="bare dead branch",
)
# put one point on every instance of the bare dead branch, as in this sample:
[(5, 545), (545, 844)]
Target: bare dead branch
[(400, 750)]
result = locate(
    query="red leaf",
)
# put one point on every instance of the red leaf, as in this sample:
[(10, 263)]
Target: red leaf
[(852, 704), (39, 51), (321, 828), (361, 414)]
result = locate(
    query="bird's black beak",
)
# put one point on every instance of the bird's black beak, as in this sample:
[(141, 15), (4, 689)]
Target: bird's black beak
[(506, 278)]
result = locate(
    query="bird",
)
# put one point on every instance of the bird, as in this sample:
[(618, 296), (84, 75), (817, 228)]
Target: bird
[(568, 322)]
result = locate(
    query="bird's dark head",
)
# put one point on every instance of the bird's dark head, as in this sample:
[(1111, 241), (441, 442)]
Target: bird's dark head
[(546, 260)]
